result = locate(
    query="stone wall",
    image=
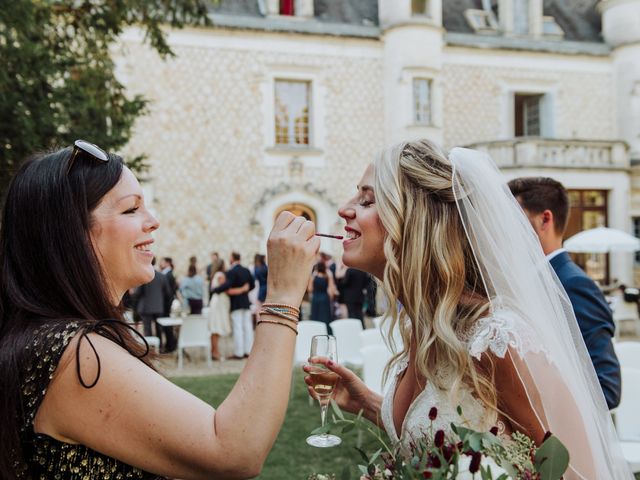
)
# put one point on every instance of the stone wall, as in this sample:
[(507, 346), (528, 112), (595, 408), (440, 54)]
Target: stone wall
[(583, 97), (204, 135)]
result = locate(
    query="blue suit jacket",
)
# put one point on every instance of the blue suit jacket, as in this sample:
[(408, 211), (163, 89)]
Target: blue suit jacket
[(595, 322)]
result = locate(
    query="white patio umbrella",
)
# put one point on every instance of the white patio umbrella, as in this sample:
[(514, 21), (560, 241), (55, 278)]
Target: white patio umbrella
[(602, 240)]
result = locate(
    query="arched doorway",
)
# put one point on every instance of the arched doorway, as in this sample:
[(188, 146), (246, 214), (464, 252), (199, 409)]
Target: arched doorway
[(299, 209)]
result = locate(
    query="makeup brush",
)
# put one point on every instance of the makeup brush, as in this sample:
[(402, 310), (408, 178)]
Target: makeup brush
[(337, 237)]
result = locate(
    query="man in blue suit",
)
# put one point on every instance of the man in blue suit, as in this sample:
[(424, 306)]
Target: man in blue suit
[(546, 203)]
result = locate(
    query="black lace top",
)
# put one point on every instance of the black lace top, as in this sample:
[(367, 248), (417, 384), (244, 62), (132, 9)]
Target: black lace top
[(44, 457)]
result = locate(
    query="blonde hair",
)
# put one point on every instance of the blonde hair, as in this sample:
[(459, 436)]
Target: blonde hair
[(430, 268)]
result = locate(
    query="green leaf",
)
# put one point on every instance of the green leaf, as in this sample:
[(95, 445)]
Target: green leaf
[(551, 459), (375, 455), (363, 455), (348, 427), (474, 440), (336, 410), (321, 430)]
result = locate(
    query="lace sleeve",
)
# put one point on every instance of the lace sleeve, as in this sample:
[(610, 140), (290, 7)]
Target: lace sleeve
[(500, 331)]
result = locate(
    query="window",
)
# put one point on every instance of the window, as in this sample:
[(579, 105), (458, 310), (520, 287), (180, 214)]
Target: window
[(421, 101), (636, 233), (521, 17), (419, 7), (588, 209), (287, 7), (482, 21), (527, 115), (292, 108), (551, 29)]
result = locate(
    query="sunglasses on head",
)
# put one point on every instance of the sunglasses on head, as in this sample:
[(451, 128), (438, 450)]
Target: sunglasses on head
[(86, 149)]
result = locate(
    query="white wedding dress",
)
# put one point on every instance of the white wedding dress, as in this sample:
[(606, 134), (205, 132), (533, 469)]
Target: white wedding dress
[(498, 332)]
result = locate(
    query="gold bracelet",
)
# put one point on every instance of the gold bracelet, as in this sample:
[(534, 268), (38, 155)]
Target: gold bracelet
[(278, 313), (278, 323)]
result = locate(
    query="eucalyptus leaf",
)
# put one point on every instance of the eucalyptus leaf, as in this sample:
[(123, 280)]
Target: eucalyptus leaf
[(322, 430), (552, 459), (336, 410)]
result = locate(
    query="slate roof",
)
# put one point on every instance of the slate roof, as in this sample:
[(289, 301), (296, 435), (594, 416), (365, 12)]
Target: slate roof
[(578, 18), (352, 12)]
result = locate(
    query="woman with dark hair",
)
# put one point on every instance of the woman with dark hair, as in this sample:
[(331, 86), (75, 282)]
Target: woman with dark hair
[(322, 289), (79, 395), (261, 273)]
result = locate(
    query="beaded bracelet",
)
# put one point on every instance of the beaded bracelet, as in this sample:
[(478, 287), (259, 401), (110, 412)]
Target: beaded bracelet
[(294, 310), (278, 322), (278, 313)]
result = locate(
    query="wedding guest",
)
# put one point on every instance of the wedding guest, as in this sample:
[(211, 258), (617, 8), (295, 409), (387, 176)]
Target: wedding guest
[(352, 285), (192, 290), (237, 276), (488, 337), (545, 201), (260, 272), (322, 290), (166, 268), (151, 300), (80, 395), (219, 310)]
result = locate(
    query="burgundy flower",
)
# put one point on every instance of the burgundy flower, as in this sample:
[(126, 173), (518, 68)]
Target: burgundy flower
[(427, 474), (434, 460), (447, 452), (474, 466), (494, 430), (439, 438), (433, 413)]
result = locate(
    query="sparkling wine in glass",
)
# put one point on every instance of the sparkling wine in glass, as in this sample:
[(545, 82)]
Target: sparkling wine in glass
[(323, 381)]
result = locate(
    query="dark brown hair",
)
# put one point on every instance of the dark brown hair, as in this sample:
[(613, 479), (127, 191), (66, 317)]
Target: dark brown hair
[(537, 194), (49, 272)]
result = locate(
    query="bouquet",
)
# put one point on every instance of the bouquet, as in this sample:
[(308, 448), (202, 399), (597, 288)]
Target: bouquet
[(462, 454)]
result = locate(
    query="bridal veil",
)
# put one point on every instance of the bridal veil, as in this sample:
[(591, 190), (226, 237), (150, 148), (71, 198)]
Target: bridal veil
[(549, 353)]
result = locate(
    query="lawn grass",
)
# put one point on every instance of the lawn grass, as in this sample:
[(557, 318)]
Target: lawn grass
[(291, 457)]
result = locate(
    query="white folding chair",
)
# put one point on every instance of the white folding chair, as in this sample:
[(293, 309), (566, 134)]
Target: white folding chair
[(347, 333), (628, 353), (375, 358), (627, 417), (371, 336), (307, 329), (194, 333)]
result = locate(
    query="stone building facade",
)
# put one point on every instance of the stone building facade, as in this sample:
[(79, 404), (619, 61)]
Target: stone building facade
[(281, 104)]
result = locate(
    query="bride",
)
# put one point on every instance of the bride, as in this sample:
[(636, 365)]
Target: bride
[(485, 324)]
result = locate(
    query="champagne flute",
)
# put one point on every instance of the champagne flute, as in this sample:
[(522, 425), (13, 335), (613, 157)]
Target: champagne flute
[(323, 381)]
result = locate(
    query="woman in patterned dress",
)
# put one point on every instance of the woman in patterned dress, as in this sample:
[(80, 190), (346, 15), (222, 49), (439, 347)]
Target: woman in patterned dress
[(80, 396)]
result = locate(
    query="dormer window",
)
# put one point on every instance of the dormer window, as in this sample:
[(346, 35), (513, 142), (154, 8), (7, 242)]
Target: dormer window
[(287, 7), (482, 21), (420, 7), (551, 29)]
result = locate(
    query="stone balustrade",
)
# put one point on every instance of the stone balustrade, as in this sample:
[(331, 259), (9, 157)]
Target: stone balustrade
[(529, 152)]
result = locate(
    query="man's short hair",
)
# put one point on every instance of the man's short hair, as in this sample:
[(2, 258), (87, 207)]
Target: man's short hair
[(537, 194), (235, 256)]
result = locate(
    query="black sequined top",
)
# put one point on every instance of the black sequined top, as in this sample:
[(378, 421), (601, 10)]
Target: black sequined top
[(44, 457)]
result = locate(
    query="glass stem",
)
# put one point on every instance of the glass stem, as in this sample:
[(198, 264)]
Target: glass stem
[(323, 413)]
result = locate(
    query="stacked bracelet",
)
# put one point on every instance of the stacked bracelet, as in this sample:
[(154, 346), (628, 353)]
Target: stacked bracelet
[(287, 315), (278, 322)]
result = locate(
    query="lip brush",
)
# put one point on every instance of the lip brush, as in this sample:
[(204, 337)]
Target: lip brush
[(337, 237)]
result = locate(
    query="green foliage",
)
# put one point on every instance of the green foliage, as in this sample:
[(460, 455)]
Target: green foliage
[(57, 79), (291, 457)]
